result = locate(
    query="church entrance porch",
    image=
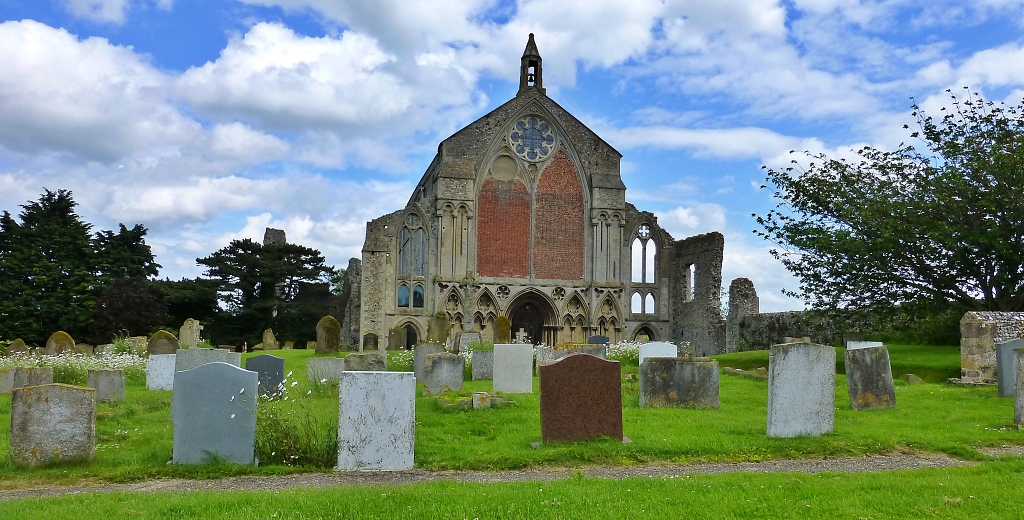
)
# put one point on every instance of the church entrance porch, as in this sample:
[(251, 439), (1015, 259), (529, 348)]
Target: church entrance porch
[(533, 319)]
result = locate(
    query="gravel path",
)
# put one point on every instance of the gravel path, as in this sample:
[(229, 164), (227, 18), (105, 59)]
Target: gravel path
[(886, 462)]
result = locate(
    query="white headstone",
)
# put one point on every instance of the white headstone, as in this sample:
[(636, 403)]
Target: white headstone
[(657, 349), (853, 345), (160, 372), (324, 370), (513, 368), (376, 420), (801, 389)]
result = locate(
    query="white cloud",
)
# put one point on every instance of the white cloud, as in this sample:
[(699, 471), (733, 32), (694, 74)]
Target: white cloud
[(238, 141), (108, 11), (684, 222)]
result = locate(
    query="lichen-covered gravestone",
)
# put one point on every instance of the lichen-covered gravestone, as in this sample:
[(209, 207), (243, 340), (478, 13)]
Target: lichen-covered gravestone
[(109, 384), (376, 420), (188, 335), (328, 335), (59, 343), (366, 362), (160, 372), (397, 338), (801, 389), (17, 346), (580, 398), (162, 342), (32, 376), (52, 423), (214, 414), (1005, 374), (324, 370), (419, 357), (684, 383), (269, 370), (513, 368), (187, 359), (869, 378), (438, 328), (657, 349), (370, 342), (502, 330), (483, 364), (443, 373), (270, 340)]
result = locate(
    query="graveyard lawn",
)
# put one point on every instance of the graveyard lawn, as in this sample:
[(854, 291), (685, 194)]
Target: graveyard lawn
[(135, 436)]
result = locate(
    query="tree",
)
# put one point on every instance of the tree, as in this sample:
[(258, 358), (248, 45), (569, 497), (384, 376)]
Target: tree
[(128, 305), (908, 229), (124, 254)]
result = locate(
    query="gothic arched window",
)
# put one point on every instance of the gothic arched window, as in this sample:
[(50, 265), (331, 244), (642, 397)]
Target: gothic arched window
[(643, 253), (419, 244), (417, 296), (404, 252), (403, 295), (636, 303)]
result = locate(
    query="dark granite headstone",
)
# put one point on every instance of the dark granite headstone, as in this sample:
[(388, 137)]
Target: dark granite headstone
[(270, 370), (685, 383), (598, 340), (580, 398), (869, 378)]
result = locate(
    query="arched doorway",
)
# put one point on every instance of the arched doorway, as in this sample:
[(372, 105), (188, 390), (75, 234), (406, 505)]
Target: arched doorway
[(643, 335), (411, 337), (532, 315)]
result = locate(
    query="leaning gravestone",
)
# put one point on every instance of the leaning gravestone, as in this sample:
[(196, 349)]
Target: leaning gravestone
[(214, 414), (854, 345), (52, 423), (162, 342), (580, 398), (328, 335), (269, 372), (513, 368), (324, 370), (109, 384), (546, 354), (1004, 365), (801, 389), (187, 359), (684, 383), (32, 376), (376, 421), (869, 378), (188, 335), (419, 357), (482, 362), (160, 372), (443, 373), (598, 340), (17, 346), (657, 349), (366, 362), (59, 343), (1018, 400), (270, 340)]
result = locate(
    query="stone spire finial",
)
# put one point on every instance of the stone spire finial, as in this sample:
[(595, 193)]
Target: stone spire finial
[(530, 71)]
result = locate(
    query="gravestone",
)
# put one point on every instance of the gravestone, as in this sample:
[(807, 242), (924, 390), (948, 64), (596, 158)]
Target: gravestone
[(801, 389), (84, 349), (419, 357), (187, 359), (789, 339), (32, 376), (684, 383), (482, 362), (160, 372), (289, 345), (546, 354), (513, 368), (162, 342), (912, 379), (214, 414), (105, 349), (854, 345), (370, 342), (269, 372), (580, 398), (109, 384), (438, 328), (6, 381), (1004, 365), (324, 370), (397, 338), (328, 335), (270, 340), (17, 346), (443, 373), (1018, 400), (481, 400), (598, 340), (58, 343), (366, 362), (188, 335), (869, 378), (465, 340), (502, 330), (139, 345), (657, 349), (52, 423), (310, 345), (376, 421)]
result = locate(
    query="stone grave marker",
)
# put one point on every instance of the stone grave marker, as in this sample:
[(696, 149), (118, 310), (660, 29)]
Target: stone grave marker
[(6, 381), (502, 330), (109, 384), (801, 389), (376, 421), (854, 345), (188, 335), (869, 378), (598, 340), (443, 372), (513, 368), (187, 359), (324, 370), (419, 357), (684, 383), (59, 343), (580, 398), (270, 340), (482, 362), (160, 372), (438, 328), (289, 345), (269, 372), (328, 335), (481, 400), (52, 423), (375, 361), (32, 376), (465, 340), (1004, 365), (397, 338), (546, 354), (17, 346), (104, 349), (657, 349), (370, 342), (214, 414), (1018, 400), (790, 339), (310, 345), (84, 349), (162, 342)]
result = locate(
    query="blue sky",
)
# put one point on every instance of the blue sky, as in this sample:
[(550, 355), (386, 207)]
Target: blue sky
[(209, 120)]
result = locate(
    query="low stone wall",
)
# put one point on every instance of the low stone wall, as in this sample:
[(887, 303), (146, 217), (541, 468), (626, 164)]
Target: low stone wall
[(761, 331), (979, 333)]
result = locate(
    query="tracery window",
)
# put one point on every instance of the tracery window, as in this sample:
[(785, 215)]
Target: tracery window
[(403, 295), (417, 296), (643, 253)]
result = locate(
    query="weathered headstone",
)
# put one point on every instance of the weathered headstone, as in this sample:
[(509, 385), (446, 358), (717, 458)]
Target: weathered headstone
[(376, 420), (1005, 374), (104, 349), (160, 372), (801, 389), (139, 344), (370, 342), (162, 342), (443, 372), (598, 340), (324, 370), (269, 372), (289, 345), (32, 376), (214, 413), (375, 361), (465, 340), (854, 345), (685, 383), (187, 359), (482, 362), (869, 378), (481, 400), (502, 330), (397, 338), (1018, 400), (580, 398), (52, 423), (546, 354), (84, 349), (109, 384), (912, 379), (6, 381), (188, 335), (657, 349), (17, 346), (419, 357), (438, 328), (328, 335), (270, 340), (513, 368), (310, 345), (790, 339), (58, 343)]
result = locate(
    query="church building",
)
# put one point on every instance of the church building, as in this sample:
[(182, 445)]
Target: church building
[(523, 214)]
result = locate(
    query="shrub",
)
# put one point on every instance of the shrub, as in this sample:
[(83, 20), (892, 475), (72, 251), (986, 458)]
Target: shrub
[(289, 432)]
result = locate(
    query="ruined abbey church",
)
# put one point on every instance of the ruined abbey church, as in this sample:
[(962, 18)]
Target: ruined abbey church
[(523, 214)]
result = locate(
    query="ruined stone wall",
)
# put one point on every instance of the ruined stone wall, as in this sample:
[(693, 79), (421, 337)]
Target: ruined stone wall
[(350, 295), (378, 272), (742, 302), (979, 333), (697, 314), (761, 331)]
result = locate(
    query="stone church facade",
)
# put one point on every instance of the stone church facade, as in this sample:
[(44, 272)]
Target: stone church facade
[(523, 214)]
